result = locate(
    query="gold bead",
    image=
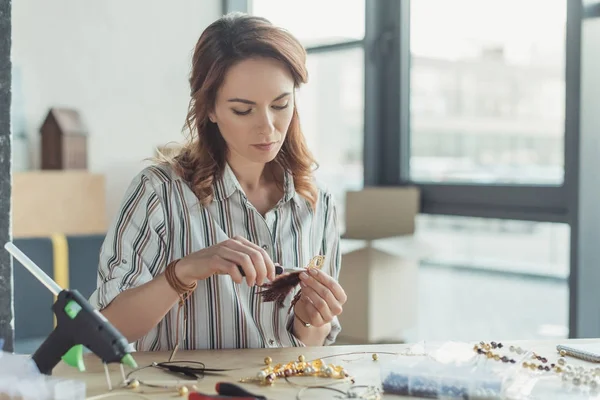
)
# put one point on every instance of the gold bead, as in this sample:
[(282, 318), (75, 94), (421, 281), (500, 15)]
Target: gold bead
[(497, 357), (558, 369), (268, 360), (489, 354), (134, 384), (375, 357), (487, 347), (183, 391), (563, 353), (301, 358), (525, 364)]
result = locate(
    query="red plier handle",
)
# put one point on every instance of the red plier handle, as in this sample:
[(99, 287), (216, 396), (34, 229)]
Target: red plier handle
[(227, 391)]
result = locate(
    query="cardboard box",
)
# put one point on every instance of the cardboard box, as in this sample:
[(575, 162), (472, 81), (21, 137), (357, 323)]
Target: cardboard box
[(69, 202), (379, 269), (381, 212)]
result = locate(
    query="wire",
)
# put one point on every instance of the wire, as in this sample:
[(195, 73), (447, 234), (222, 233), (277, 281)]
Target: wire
[(123, 394), (304, 389)]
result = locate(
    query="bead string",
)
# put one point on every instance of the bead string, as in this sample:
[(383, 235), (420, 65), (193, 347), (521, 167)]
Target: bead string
[(486, 349), (578, 376)]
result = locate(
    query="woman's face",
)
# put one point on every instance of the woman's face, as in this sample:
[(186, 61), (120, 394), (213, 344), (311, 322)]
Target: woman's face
[(254, 108)]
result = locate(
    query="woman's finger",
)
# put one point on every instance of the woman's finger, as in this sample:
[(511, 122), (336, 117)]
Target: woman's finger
[(265, 258), (224, 266), (330, 283), (323, 291), (318, 302), (313, 316), (241, 259)]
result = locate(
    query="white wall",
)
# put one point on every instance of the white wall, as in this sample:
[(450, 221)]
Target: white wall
[(123, 63)]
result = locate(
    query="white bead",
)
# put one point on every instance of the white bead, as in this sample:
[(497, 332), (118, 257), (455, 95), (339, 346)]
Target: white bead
[(262, 375), (309, 370), (561, 361), (328, 371)]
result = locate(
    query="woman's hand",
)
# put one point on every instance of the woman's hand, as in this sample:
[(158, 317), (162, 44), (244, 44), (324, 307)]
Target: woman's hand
[(322, 298), (223, 258)]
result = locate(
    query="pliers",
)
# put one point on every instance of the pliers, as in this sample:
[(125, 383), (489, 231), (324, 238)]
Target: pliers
[(226, 391)]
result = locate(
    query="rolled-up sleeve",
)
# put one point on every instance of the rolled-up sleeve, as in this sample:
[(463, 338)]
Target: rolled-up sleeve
[(135, 245), (333, 256)]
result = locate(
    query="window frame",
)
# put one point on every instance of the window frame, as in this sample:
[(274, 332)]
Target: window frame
[(386, 152)]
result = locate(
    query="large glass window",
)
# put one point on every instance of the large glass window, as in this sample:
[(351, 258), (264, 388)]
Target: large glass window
[(487, 91), (331, 108), (331, 104), (487, 278), (316, 22)]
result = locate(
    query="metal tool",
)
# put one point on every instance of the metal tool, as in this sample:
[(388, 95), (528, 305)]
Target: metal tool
[(279, 270)]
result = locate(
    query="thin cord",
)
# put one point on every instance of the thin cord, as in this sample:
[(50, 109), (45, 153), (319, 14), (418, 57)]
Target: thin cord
[(298, 395), (337, 382), (152, 385), (115, 394), (371, 392), (368, 352)]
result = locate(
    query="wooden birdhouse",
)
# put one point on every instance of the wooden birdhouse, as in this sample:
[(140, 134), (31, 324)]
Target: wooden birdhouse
[(64, 140)]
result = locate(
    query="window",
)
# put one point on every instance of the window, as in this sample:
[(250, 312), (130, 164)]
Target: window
[(487, 106), (331, 104), (331, 110), (327, 26), (488, 278), (493, 97)]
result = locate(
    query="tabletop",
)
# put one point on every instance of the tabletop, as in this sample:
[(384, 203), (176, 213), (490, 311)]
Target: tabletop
[(358, 361)]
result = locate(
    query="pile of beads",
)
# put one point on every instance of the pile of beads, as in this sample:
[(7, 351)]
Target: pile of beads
[(317, 368)]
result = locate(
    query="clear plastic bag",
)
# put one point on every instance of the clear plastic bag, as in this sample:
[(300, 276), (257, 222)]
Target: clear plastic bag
[(451, 371)]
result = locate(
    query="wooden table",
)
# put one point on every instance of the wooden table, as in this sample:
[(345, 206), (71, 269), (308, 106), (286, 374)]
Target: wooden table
[(250, 361)]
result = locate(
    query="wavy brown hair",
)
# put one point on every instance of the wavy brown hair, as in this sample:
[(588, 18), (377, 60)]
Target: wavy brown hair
[(227, 41)]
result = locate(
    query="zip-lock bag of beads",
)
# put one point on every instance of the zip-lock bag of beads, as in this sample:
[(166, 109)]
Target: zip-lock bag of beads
[(453, 371), (565, 381)]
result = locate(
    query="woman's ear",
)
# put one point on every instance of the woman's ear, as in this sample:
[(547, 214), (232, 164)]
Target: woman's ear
[(212, 117)]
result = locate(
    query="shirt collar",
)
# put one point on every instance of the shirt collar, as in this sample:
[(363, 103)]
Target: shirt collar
[(228, 184)]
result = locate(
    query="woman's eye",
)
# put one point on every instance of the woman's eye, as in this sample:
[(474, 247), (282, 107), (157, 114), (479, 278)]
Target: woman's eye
[(242, 112), (281, 107)]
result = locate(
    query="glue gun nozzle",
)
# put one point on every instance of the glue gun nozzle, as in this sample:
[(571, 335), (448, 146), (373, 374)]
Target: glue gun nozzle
[(129, 361)]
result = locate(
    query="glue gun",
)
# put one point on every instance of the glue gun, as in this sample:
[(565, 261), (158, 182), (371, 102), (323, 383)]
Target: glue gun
[(78, 324)]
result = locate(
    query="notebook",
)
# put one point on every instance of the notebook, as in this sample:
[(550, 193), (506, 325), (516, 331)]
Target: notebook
[(583, 351)]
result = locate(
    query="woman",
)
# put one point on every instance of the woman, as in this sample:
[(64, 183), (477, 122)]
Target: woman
[(240, 193)]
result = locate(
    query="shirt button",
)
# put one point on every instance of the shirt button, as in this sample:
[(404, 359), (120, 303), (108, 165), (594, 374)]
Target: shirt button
[(271, 342), (265, 247)]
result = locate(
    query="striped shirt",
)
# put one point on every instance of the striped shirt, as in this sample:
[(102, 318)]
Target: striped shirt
[(161, 220)]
